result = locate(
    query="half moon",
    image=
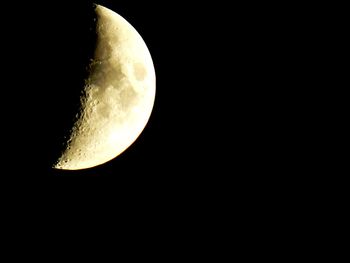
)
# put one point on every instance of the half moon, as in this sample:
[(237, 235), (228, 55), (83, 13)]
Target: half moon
[(118, 95)]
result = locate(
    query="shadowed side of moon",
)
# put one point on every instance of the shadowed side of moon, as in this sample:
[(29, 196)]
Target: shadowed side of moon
[(69, 47), (46, 49)]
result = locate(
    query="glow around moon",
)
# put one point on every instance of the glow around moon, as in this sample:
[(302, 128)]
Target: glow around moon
[(118, 95)]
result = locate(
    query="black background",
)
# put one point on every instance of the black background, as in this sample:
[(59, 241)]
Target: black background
[(219, 140), (48, 50), (220, 153), (209, 122)]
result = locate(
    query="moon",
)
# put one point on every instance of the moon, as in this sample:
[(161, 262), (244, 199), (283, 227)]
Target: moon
[(118, 95)]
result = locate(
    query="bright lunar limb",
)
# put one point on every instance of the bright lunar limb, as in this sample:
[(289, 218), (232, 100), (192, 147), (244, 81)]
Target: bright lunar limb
[(118, 95)]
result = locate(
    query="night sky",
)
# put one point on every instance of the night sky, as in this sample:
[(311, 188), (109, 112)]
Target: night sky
[(190, 123), (224, 141)]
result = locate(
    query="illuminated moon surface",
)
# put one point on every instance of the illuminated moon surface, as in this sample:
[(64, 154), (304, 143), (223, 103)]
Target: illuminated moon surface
[(118, 95)]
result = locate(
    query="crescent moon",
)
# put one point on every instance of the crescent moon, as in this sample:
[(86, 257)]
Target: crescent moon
[(118, 95)]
